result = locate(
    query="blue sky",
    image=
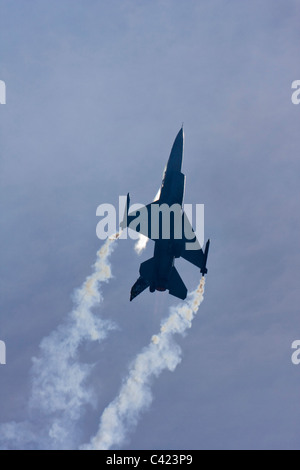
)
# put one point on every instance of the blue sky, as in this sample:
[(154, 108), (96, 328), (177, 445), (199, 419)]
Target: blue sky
[(96, 93)]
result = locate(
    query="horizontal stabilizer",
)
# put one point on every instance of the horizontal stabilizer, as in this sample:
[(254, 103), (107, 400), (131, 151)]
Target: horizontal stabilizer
[(176, 285), (144, 281), (147, 269), (140, 285)]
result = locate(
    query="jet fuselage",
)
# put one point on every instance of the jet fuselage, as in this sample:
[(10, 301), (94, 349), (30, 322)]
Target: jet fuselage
[(172, 192), (165, 222)]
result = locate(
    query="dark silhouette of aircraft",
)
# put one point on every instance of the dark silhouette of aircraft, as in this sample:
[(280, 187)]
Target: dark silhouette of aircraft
[(165, 222)]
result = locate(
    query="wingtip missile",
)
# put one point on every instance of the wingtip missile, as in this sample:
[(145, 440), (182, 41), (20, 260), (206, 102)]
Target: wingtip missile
[(123, 224), (203, 270)]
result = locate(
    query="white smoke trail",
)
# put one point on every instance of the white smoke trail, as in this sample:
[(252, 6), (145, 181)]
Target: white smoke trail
[(59, 391), (142, 241), (135, 395), (141, 244)]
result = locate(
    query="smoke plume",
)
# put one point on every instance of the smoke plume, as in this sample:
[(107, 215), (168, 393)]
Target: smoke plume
[(142, 241), (59, 391), (122, 414)]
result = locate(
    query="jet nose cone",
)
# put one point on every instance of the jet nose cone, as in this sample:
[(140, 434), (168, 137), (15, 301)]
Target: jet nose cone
[(179, 138), (175, 159)]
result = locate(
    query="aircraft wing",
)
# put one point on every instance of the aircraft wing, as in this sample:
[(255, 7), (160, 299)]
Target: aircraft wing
[(192, 250), (139, 220), (176, 285)]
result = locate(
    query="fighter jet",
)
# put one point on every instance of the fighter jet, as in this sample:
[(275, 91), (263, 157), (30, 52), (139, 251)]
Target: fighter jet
[(165, 222)]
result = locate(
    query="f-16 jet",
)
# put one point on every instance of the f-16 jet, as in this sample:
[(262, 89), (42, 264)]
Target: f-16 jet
[(165, 222)]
